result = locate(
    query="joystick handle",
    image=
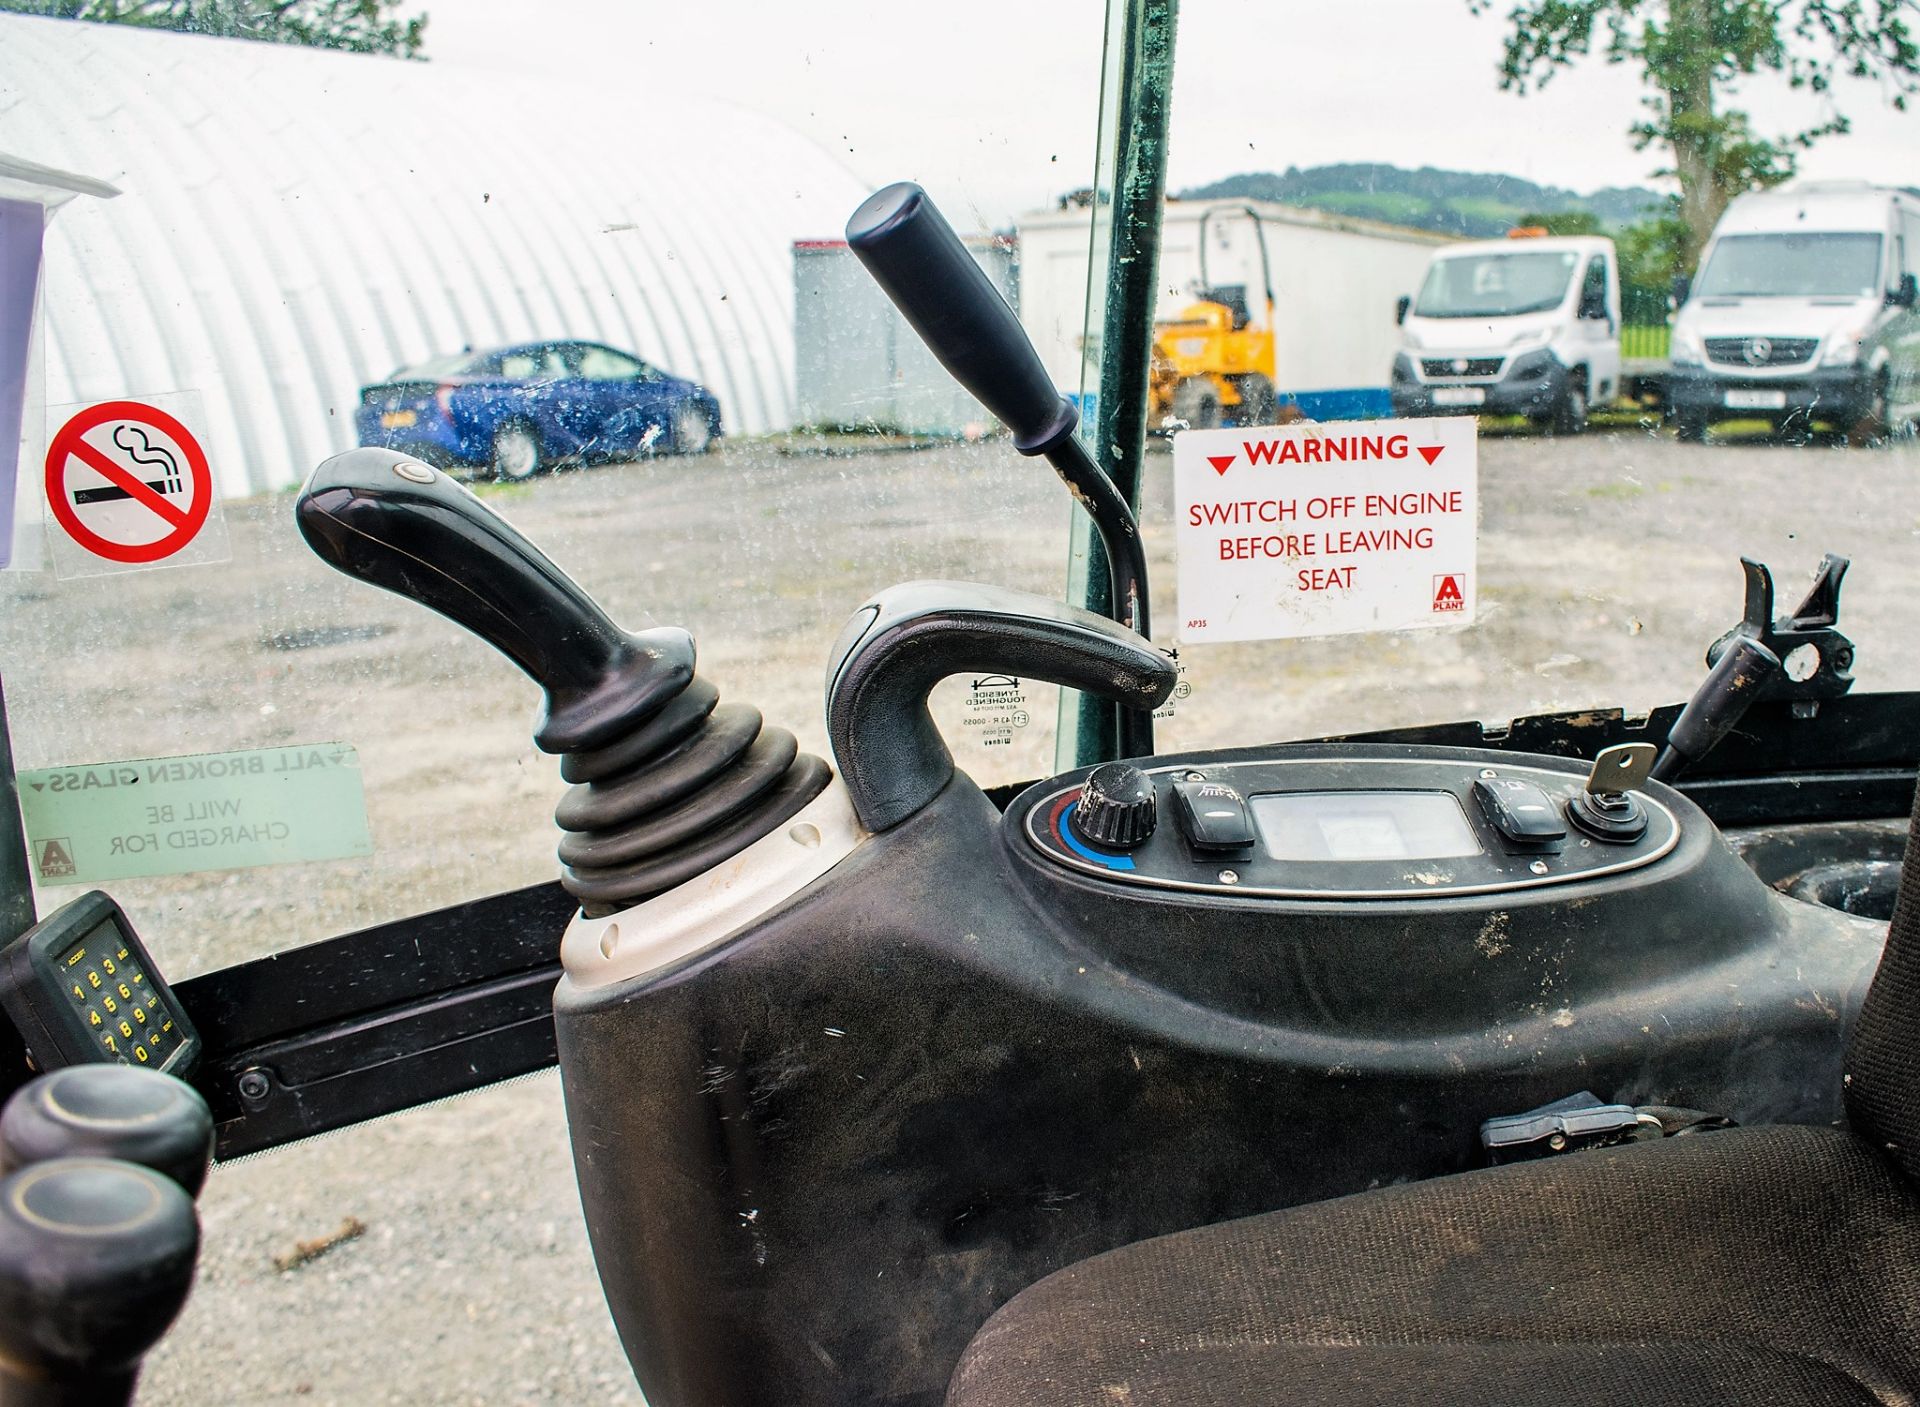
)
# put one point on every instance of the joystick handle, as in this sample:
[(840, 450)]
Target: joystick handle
[(921, 265), (110, 1111), (96, 1259), (908, 638), (399, 524)]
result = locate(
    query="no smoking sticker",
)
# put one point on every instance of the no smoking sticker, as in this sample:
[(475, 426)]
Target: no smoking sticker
[(1326, 529), (129, 487)]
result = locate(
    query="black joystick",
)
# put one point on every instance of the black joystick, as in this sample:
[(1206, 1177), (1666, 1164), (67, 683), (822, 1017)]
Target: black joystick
[(96, 1258), (110, 1111), (667, 783), (1117, 807)]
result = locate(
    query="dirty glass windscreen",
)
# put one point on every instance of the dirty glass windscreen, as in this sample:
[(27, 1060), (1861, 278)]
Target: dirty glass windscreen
[(621, 308), (1389, 256)]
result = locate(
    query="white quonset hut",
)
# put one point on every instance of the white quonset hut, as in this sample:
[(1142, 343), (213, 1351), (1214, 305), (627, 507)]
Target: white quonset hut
[(297, 223)]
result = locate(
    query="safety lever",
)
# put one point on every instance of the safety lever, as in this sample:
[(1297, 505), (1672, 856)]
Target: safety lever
[(921, 265), (908, 638)]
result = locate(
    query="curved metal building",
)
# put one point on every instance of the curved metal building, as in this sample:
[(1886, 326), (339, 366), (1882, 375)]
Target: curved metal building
[(297, 223)]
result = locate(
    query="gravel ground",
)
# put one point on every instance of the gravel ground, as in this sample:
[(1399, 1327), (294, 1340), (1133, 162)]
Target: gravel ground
[(1606, 565)]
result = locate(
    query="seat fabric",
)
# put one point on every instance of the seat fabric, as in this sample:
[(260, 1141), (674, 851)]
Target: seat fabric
[(1772, 1265)]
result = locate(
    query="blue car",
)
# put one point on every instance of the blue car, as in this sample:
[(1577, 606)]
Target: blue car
[(516, 410)]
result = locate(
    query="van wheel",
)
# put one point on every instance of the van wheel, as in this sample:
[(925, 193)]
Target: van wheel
[(1690, 426), (1258, 404), (1570, 414), (1195, 402), (1875, 425)]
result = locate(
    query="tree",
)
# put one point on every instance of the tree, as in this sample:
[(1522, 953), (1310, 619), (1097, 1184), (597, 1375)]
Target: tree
[(1692, 52), (361, 26), (1561, 222)]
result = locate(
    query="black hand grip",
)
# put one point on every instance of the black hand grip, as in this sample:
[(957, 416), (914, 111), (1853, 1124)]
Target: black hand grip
[(1729, 690), (398, 524), (914, 255), (96, 1259), (908, 638), (109, 1110)]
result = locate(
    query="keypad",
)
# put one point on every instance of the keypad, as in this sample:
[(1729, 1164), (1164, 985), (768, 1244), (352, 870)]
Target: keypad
[(116, 1001)]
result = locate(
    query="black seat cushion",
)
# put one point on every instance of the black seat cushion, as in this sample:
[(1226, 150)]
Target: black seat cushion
[(1768, 1265)]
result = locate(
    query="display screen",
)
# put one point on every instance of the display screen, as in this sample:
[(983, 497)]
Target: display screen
[(1364, 825)]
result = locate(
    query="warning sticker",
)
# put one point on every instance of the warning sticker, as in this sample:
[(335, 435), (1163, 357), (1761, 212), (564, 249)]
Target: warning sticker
[(213, 811), (1326, 529), (129, 486)]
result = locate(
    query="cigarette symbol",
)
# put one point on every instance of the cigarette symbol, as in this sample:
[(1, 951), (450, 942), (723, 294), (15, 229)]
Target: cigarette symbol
[(133, 442)]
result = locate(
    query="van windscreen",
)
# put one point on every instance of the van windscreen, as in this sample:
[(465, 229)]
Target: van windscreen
[(1496, 285), (1792, 266)]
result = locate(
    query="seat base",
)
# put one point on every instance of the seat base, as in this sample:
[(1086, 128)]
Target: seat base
[(1766, 1265)]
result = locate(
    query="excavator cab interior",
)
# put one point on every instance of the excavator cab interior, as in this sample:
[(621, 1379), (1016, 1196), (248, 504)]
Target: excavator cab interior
[(1342, 911)]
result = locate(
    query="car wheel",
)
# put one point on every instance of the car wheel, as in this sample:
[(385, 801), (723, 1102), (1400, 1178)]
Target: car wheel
[(1690, 426), (1570, 413), (1195, 401), (692, 429), (516, 453)]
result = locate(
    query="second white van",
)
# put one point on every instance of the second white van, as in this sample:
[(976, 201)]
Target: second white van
[(1803, 312)]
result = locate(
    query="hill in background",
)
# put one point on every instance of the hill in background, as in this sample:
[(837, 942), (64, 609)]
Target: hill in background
[(1472, 204)]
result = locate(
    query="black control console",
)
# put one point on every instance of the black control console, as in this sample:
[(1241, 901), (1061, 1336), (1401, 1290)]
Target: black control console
[(1330, 823)]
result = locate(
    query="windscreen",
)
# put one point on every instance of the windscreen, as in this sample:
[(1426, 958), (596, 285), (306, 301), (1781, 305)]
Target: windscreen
[(1792, 266), (1496, 285), (252, 751)]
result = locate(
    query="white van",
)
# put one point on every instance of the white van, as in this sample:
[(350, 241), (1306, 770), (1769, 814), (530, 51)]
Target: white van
[(1803, 311), (1528, 325)]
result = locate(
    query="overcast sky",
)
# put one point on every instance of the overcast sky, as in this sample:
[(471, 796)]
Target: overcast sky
[(993, 106)]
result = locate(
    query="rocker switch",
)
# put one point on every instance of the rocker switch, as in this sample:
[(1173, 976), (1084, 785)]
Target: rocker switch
[(1213, 816), (1520, 811)]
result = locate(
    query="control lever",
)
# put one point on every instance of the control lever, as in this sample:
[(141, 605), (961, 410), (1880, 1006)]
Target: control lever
[(668, 783), (908, 638), (96, 1258), (921, 265), (1604, 808), (97, 1231), (401, 525), (1801, 657), (110, 1110)]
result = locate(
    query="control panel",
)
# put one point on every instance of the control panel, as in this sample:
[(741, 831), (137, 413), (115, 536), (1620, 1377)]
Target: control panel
[(80, 987), (1353, 823)]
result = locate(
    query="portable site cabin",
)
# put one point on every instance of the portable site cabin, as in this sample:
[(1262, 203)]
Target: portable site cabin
[(1335, 280)]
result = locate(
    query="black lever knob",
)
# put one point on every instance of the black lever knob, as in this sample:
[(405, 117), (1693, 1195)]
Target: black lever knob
[(1117, 807), (96, 1259), (908, 638), (110, 1111), (1736, 680), (399, 524), (914, 255)]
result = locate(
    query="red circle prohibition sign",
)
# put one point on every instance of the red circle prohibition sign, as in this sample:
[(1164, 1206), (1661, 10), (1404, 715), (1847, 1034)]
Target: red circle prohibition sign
[(69, 444)]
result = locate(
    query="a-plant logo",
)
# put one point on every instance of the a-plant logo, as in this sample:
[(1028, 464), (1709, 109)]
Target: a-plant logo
[(1447, 595)]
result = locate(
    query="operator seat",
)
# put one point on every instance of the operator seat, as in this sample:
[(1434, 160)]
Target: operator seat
[(1776, 1265)]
